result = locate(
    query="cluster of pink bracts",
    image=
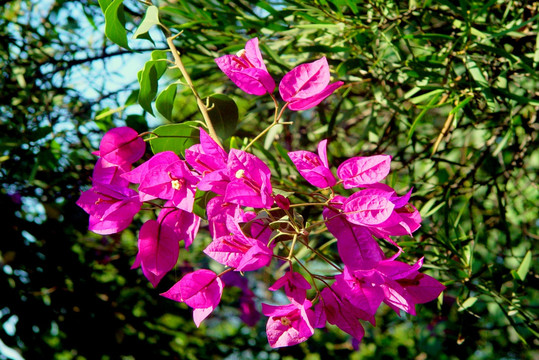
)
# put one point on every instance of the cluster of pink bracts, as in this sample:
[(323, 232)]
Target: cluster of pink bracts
[(243, 240)]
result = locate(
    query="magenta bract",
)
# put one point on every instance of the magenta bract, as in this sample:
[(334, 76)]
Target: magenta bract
[(173, 182), (307, 85), (340, 312), (201, 290), (399, 285), (237, 250), (314, 168), (288, 324), (361, 171), (111, 207), (247, 70), (207, 156), (158, 248), (108, 173), (368, 207), (121, 146), (295, 286), (250, 183), (183, 224), (355, 244)]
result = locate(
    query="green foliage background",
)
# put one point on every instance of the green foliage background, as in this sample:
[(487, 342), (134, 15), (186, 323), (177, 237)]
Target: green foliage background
[(448, 88)]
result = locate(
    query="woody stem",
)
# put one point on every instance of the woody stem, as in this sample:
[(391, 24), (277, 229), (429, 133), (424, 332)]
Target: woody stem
[(203, 109)]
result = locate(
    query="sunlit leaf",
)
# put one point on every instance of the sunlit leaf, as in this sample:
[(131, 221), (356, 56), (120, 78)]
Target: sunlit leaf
[(175, 137), (115, 23)]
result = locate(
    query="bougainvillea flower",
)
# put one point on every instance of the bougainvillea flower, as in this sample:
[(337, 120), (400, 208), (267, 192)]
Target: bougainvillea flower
[(238, 250), (121, 146), (355, 244), (240, 253), (183, 224), (111, 207), (307, 85), (247, 70), (171, 182), (138, 174), (256, 226), (295, 286), (207, 156), (250, 183), (217, 211), (314, 168), (288, 324), (340, 312), (158, 248), (399, 285), (405, 218), (108, 173), (361, 171), (215, 181), (201, 290)]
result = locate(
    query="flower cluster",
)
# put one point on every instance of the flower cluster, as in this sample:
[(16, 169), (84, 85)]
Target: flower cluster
[(253, 226)]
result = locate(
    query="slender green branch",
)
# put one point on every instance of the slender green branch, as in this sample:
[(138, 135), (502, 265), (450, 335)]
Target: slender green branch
[(203, 109)]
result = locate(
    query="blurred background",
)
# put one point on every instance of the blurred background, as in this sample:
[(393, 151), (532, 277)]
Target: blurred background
[(448, 88)]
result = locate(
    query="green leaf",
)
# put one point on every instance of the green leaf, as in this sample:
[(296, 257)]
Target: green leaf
[(201, 200), (525, 266), (223, 114), (151, 18), (115, 23), (148, 78), (480, 79), (104, 4), (165, 101), (148, 86), (175, 137), (429, 106), (468, 303)]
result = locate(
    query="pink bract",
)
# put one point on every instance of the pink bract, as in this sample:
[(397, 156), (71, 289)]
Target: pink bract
[(111, 207), (397, 284), (288, 324), (247, 70), (108, 173), (368, 207), (307, 85), (341, 313), (158, 248), (355, 244), (183, 224), (201, 290), (295, 286), (250, 183), (361, 171), (207, 156), (314, 168), (173, 182), (121, 146)]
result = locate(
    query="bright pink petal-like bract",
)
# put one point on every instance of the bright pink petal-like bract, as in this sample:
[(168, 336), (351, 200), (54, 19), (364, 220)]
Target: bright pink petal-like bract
[(121, 146), (250, 183), (247, 70), (201, 290), (314, 168), (288, 324), (158, 247), (368, 207), (361, 171), (307, 85)]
